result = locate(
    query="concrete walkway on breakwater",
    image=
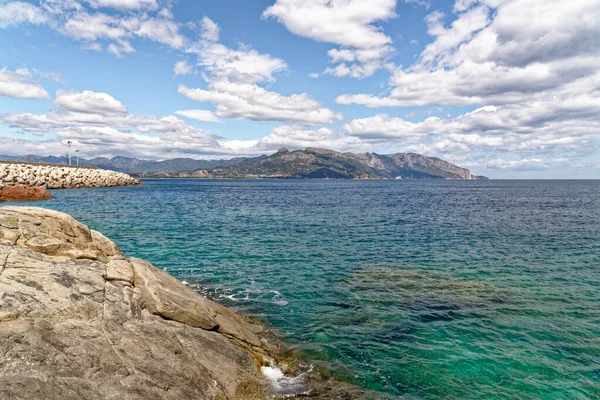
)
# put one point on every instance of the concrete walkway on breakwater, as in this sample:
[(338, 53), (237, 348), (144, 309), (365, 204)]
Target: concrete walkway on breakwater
[(57, 176)]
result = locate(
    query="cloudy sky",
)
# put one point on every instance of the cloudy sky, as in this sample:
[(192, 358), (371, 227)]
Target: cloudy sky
[(506, 88)]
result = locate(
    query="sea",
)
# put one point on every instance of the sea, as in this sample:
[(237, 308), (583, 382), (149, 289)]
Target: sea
[(412, 289)]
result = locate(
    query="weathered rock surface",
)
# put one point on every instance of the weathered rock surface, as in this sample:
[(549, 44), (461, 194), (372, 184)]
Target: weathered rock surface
[(24, 193), (78, 320), (61, 177)]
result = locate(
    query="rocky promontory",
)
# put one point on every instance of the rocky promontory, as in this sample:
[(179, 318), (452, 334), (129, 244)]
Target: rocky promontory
[(61, 176), (79, 320)]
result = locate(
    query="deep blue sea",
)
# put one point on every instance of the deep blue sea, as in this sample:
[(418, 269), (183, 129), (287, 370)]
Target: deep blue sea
[(423, 289)]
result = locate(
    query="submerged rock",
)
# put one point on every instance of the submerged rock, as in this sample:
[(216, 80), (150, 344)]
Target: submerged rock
[(78, 320), (24, 193)]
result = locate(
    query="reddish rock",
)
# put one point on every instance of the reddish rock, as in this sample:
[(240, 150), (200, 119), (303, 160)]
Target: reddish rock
[(24, 193)]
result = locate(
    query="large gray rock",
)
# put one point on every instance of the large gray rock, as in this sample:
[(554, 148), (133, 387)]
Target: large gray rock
[(80, 321)]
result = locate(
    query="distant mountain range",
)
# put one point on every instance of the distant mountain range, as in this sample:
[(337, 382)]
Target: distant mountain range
[(299, 164), (131, 165)]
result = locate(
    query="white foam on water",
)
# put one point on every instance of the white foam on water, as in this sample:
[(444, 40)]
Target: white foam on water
[(285, 385)]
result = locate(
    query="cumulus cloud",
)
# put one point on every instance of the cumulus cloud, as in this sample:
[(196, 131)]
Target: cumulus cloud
[(243, 100), (92, 27), (241, 65), (347, 23), (17, 13), (182, 68), (233, 78), (529, 67), (124, 21), (527, 164), (120, 48), (497, 52), (89, 102), (209, 30), (19, 85), (162, 31), (124, 4), (200, 115), (101, 126), (298, 137), (541, 129)]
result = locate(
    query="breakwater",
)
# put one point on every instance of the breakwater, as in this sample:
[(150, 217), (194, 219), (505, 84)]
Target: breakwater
[(56, 176)]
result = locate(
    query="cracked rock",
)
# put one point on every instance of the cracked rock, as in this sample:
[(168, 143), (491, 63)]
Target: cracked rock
[(80, 321)]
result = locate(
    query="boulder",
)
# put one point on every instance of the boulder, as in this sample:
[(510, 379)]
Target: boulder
[(79, 320), (24, 193)]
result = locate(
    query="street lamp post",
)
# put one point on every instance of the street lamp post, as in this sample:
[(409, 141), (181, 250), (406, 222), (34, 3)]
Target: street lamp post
[(69, 155), (77, 156)]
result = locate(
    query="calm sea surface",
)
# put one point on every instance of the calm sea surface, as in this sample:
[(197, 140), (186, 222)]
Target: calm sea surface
[(421, 289)]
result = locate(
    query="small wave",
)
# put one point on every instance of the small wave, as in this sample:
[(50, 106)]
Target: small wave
[(286, 386), (245, 295)]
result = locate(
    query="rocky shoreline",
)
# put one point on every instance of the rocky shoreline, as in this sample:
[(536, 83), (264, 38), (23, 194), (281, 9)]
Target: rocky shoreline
[(80, 320), (61, 176)]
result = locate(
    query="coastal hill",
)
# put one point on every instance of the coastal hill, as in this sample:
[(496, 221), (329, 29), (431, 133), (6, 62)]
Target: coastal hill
[(322, 163), (308, 163)]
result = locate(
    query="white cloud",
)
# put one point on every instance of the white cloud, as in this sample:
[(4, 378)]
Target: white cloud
[(244, 100), (200, 115), (344, 22), (383, 126), (530, 68), (233, 77), (299, 137), (209, 30), (100, 125), (182, 68), (497, 52), (347, 23), (421, 3), (89, 102), (128, 20), (539, 128), (92, 27), (120, 48), (18, 84), (94, 46), (242, 65), (163, 31), (124, 4), (526, 164), (17, 13)]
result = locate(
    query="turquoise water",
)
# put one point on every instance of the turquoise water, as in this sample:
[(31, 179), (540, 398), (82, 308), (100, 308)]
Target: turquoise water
[(421, 289)]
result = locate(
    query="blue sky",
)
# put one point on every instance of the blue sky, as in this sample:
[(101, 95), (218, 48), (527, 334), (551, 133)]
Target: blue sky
[(507, 88)]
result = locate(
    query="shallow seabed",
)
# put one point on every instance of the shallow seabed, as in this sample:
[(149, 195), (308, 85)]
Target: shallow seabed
[(423, 289)]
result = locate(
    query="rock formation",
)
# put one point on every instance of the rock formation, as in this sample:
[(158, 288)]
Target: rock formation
[(61, 177), (24, 193), (78, 320)]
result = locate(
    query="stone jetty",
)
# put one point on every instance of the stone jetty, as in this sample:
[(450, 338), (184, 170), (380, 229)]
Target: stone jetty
[(53, 176)]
